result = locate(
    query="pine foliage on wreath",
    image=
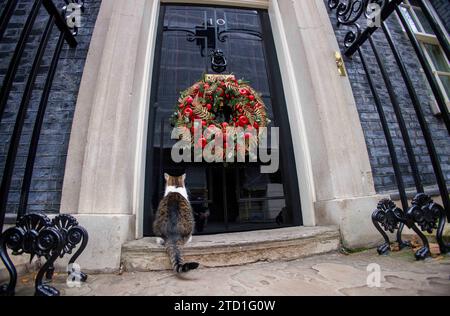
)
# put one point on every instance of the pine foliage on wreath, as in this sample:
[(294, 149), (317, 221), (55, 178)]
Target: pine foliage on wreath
[(222, 102)]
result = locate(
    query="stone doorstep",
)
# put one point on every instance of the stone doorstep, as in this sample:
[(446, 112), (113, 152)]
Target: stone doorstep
[(235, 248)]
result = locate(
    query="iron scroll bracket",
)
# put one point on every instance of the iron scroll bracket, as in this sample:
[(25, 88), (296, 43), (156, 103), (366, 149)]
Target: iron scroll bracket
[(389, 218), (39, 236), (424, 215)]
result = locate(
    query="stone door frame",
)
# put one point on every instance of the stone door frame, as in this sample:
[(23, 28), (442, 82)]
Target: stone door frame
[(104, 182)]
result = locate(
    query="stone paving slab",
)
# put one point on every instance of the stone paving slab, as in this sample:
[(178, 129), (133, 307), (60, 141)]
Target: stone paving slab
[(330, 274)]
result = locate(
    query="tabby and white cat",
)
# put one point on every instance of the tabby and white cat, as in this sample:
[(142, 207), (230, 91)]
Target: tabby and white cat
[(174, 222)]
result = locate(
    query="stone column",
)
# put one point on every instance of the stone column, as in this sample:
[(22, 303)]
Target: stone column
[(99, 180)]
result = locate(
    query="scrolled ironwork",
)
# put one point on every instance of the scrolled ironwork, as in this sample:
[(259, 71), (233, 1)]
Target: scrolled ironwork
[(389, 217), (32, 225), (424, 215), (35, 234), (351, 36), (50, 242), (14, 238), (429, 216), (65, 223), (74, 235), (350, 12)]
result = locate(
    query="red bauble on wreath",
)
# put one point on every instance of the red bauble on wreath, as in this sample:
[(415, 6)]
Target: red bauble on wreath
[(222, 102)]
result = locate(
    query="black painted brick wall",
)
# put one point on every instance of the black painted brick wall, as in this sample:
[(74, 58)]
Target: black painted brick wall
[(378, 152), (442, 8), (49, 167)]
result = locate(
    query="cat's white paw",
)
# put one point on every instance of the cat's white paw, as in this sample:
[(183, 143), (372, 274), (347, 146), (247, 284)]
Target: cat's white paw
[(189, 240), (160, 241)]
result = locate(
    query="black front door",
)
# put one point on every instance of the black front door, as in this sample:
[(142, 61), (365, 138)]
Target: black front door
[(232, 197)]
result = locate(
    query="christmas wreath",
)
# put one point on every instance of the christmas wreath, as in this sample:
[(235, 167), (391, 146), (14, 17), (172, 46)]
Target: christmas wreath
[(219, 101)]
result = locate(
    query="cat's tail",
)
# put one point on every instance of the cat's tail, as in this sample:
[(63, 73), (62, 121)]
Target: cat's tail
[(174, 252)]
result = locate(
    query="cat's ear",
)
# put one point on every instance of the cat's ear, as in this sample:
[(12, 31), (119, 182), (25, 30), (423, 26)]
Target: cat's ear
[(183, 177), (166, 176)]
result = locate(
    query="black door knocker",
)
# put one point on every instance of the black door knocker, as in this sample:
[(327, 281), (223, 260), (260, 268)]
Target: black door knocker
[(218, 61)]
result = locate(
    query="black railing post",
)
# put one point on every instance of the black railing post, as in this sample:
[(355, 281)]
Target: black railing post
[(26, 183), (387, 133), (14, 64), (422, 122), (20, 118), (386, 206), (399, 116)]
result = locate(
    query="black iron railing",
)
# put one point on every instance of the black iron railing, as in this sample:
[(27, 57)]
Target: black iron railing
[(422, 211), (66, 34), (35, 233)]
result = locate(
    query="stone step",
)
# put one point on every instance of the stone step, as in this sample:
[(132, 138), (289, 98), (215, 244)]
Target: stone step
[(235, 248)]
